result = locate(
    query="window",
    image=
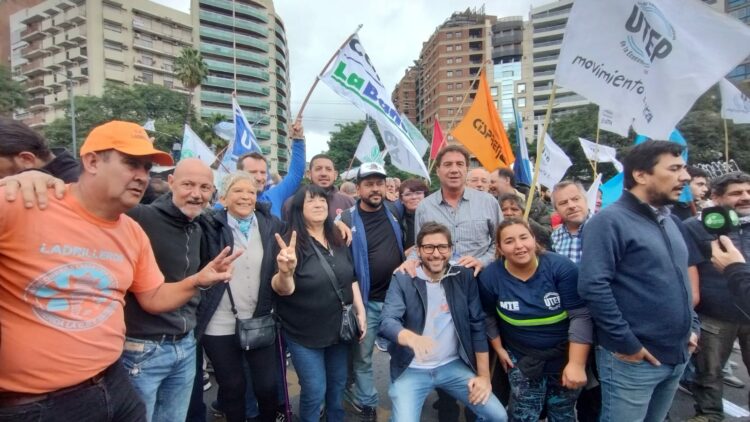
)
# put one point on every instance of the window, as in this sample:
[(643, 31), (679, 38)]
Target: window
[(493, 91), (450, 86), (459, 98), (449, 35), (459, 47), (110, 45), (147, 59), (459, 85), (114, 27), (458, 34), (521, 102), (508, 74), (449, 61), (147, 77), (450, 111), (450, 99), (168, 83), (449, 74), (114, 66), (449, 48), (521, 88), (459, 72), (459, 59)]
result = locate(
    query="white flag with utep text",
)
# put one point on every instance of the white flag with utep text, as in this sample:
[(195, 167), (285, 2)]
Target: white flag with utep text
[(600, 153), (648, 60), (734, 104), (554, 163)]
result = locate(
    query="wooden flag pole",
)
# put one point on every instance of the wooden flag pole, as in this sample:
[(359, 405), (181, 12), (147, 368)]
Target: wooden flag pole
[(539, 150), (460, 107), (594, 163), (315, 83), (726, 142)]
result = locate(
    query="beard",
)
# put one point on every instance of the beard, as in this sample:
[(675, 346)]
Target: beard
[(373, 203), (658, 198)]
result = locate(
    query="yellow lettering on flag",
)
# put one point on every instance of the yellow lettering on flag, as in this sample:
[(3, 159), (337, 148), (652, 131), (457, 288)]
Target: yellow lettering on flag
[(482, 132)]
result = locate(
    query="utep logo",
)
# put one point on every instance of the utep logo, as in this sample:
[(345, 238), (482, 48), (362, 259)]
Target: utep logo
[(552, 301), (651, 35), (73, 297)]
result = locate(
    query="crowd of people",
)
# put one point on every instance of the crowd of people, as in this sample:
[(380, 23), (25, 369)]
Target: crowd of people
[(117, 289)]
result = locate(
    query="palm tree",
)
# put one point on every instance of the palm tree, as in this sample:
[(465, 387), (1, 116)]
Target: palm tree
[(191, 70)]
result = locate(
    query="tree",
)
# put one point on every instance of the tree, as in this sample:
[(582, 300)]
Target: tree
[(136, 103), (191, 70), (13, 93)]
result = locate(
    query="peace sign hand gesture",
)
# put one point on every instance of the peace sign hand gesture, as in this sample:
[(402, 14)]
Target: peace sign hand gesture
[(287, 257)]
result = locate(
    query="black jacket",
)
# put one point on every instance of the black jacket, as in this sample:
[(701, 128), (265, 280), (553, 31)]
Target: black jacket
[(64, 166), (176, 243), (738, 275), (217, 235)]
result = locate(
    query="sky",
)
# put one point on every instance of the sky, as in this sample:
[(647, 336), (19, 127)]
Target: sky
[(393, 32)]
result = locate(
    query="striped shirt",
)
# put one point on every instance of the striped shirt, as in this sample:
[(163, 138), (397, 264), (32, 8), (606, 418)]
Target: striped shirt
[(568, 244), (472, 223)]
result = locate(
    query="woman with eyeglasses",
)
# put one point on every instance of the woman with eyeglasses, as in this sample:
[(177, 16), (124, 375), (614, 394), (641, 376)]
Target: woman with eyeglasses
[(537, 323), (411, 193)]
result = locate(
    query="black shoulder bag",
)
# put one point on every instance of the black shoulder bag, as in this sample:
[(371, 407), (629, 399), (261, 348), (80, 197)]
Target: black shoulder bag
[(350, 331), (253, 333)]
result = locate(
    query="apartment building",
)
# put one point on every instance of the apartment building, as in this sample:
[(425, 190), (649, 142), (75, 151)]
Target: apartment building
[(507, 51), (64, 45), (404, 96), (244, 44)]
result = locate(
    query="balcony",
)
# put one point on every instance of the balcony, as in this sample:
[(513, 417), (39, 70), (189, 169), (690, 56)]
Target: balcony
[(241, 85), (78, 54), (281, 167), (242, 100), (77, 34), (33, 50), (242, 70), (32, 32), (238, 22), (49, 27), (238, 8), (36, 104), (33, 68), (229, 52), (541, 29), (228, 36), (35, 86)]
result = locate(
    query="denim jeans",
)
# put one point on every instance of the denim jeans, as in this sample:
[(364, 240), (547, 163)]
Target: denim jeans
[(636, 391), (409, 390), (528, 397), (111, 399), (322, 376), (364, 392), (162, 372), (715, 346)]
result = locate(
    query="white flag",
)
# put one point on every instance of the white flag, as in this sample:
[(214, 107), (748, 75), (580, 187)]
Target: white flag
[(734, 104), (403, 154), (420, 143), (614, 122), (592, 192), (648, 60), (353, 77), (554, 163), (368, 150), (600, 153), (194, 147), (150, 125)]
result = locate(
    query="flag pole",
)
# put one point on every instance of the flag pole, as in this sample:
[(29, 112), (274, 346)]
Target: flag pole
[(539, 150), (315, 83), (594, 163), (726, 142), (460, 107)]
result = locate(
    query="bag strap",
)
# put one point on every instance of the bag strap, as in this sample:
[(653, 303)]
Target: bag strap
[(329, 271), (231, 301)]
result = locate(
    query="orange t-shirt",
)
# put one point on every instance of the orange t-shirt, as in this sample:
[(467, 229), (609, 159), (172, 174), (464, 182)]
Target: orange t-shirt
[(63, 277)]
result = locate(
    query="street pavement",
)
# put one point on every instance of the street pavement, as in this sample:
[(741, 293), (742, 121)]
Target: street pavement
[(682, 407)]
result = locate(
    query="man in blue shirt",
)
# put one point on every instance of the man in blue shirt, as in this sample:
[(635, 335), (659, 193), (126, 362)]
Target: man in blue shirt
[(569, 199), (257, 165), (633, 278)]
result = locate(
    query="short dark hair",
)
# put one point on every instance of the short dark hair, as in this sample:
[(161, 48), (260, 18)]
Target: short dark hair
[(414, 185), (16, 137), (451, 148), (694, 172), (254, 155), (297, 220), (510, 197), (643, 157), (433, 228), (507, 172), (318, 157), (720, 184)]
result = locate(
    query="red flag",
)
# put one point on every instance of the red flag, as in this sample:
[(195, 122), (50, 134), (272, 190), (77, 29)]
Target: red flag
[(437, 139)]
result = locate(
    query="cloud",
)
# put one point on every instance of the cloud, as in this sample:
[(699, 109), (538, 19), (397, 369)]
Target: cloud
[(393, 32)]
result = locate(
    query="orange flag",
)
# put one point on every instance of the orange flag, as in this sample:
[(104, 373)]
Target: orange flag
[(482, 132)]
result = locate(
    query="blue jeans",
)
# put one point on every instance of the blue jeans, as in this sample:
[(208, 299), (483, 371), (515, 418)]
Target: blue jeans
[(409, 391), (636, 391), (162, 372), (364, 392), (111, 399), (322, 376)]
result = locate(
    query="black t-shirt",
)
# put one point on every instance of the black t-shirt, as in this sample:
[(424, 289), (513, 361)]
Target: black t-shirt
[(382, 252), (409, 235), (311, 316)]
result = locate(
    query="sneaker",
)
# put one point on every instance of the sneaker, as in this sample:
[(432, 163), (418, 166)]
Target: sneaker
[(733, 364), (685, 387), (350, 405), (733, 381), (699, 418), (281, 417), (369, 414), (206, 381), (381, 344)]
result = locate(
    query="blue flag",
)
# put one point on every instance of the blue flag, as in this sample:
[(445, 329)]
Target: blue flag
[(521, 167), (244, 139)]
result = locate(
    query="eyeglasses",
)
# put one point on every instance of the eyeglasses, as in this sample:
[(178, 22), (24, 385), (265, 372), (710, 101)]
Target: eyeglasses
[(428, 249), (417, 194)]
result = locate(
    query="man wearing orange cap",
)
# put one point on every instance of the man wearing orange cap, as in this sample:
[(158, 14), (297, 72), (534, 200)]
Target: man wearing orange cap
[(64, 273)]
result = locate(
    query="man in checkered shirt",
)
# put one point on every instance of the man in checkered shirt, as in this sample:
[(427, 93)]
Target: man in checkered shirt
[(569, 200)]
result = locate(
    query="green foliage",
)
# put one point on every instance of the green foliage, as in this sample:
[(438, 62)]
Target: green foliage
[(191, 70), (137, 104), (13, 93), (343, 143)]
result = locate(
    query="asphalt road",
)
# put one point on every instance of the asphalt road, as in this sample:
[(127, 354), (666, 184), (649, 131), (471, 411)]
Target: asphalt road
[(682, 407)]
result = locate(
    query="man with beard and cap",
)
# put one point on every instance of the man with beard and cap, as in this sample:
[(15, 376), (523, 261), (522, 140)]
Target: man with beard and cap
[(64, 276), (377, 248), (724, 319), (322, 172), (634, 279)]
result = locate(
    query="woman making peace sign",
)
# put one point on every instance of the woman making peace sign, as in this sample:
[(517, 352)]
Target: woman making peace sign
[(309, 307)]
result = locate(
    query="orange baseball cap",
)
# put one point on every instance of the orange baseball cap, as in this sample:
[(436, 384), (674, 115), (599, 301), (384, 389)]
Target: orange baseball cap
[(125, 137)]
